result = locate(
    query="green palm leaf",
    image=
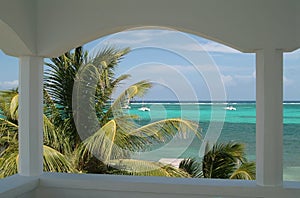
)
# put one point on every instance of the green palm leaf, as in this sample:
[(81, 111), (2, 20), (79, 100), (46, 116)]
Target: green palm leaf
[(9, 156), (54, 136), (50, 110), (7, 126), (245, 171), (163, 131), (223, 159), (55, 161), (191, 166), (14, 105), (103, 144), (118, 80)]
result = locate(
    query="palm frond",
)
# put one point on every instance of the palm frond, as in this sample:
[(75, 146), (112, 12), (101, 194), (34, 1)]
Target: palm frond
[(102, 144), (121, 78), (192, 167), (14, 105), (8, 163), (8, 133), (51, 110), (54, 136), (245, 171), (54, 161), (108, 56), (222, 160), (164, 130), (8, 126)]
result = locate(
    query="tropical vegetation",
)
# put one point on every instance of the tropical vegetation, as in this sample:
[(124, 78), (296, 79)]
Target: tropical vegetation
[(76, 140), (222, 161)]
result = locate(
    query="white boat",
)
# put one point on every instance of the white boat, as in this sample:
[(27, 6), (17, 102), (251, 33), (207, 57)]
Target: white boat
[(230, 108), (144, 109), (126, 107)]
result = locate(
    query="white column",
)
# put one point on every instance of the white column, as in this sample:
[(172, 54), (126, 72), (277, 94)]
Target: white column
[(269, 120), (30, 116)]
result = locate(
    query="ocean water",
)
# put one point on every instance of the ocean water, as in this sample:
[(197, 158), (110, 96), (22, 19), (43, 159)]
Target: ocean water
[(237, 125)]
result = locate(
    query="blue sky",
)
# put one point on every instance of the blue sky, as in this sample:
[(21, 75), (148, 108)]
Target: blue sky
[(181, 67)]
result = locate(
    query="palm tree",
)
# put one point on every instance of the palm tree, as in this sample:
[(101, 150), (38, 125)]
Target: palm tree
[(224, 161), (112, 136)]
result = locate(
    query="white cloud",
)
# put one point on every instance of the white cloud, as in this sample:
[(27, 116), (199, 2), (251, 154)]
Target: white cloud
[(9, 84), (125, 41), (167, 39), (228, 80), (137, 36), (206, 47), (196, 68), (245, 78), (149, 33), (216, 47), (162, 69)]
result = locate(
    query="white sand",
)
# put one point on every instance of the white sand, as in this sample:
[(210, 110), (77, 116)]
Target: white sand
[(172, 161)]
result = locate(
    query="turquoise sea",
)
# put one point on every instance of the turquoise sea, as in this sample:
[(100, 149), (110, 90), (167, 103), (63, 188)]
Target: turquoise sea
[(238, 125)]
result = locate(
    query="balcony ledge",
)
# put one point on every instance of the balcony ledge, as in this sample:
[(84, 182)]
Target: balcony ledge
[(78, 185)]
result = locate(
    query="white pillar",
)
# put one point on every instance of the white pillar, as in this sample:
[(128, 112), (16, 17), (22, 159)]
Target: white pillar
[(30, 116), (269, 120)]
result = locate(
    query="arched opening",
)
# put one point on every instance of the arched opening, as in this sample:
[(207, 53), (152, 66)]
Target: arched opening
[(189, 84)]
